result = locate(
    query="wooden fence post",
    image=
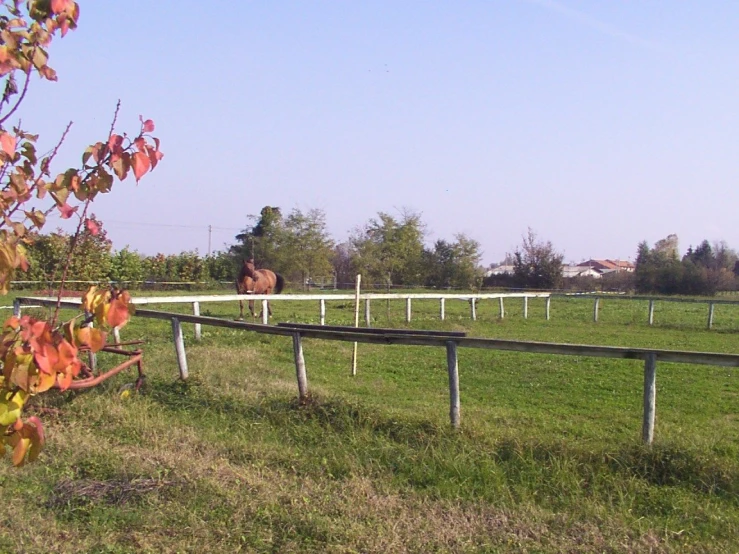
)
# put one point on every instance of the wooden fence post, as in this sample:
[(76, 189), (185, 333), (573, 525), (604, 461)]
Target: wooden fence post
[(650, 397), (473, 311), (441, 309), (17, 308), (117, 335), (408, 310), (300, 367), (595, 308), (322, 311), (525, 307), (453, 368), (367, 313), (179, 346), (265, 312), (710, 314), (548, 304), (502, 308), (651, 312), (198, 327), (92, 359)]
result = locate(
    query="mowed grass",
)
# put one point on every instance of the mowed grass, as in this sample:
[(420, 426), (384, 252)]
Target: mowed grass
[(548, 458)]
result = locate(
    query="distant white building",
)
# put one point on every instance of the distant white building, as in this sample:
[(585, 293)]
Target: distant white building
[(569, 271), (500, 270)]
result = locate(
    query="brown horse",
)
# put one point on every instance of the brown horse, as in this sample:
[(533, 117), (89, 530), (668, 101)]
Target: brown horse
[(257, 281)]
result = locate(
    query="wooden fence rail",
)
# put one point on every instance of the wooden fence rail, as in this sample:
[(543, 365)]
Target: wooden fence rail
[(451, 342)]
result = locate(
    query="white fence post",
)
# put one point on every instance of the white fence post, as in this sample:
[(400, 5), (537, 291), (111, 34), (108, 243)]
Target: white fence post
[(710, 314), (300, 367), (549, 303), (356, 322), (473, 311), (441, 309), (595, 308), (198, 327), (525, 307), (367, 313), (322, 311), (453, 368), (179, 346), (650, 397), (651, 312), (407, 310), (117, 335), (17, 308), (502, 308), (265, 312)]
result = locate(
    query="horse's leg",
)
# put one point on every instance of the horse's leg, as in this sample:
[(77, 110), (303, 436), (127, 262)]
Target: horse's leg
[(251, 308), (241, 310)]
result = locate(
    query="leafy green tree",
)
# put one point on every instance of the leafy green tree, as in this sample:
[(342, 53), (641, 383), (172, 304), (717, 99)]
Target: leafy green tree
[(306, 248), (221, 266), (127, 267), (454, 264), (389, 250), (262, 241), (537, 264)]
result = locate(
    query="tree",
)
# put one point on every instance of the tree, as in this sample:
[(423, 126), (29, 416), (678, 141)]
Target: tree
[(454, 264), (126, 266), (537, 264), (37, 355), (390, 251), (306, 247), (262, 241)]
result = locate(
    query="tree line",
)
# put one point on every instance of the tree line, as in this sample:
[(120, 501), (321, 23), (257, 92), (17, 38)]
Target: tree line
[(387, 251)]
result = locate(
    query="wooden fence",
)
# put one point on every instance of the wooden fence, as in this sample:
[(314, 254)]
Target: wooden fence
[(450, 341)]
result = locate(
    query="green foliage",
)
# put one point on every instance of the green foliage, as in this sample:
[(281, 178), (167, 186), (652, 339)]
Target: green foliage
[(127, 267), (537, 264), (454, 264), (389, 250), (702, 271)]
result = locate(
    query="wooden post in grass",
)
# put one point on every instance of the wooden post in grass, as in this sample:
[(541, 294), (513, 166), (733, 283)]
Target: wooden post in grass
[(117, 335), (367, 313), (710, 314), (473, 312), (549, 303), (179, 347), (356, 322), (300, 367), (525, 307), (441, 309), (595, 308), (651, 312), (502, 308), (265, 312), (198, 327), (17, 308), (92, 359), (322, 311), (408, 310), (650, 397), (453, 367)]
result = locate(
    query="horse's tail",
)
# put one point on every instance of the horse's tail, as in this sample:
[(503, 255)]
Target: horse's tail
[(280, 283)]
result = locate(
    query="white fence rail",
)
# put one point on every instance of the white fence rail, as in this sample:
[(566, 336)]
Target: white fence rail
[(450, 341)]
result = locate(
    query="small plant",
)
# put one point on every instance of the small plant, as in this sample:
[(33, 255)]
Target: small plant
[(37, 355)]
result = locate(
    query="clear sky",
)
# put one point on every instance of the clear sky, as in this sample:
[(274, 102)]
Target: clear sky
[(598, 124)]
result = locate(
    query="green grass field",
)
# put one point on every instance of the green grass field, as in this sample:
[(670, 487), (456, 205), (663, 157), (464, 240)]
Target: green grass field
[(548, 458)]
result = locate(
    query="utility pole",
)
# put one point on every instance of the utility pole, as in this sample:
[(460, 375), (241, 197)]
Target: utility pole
[(210, 233)]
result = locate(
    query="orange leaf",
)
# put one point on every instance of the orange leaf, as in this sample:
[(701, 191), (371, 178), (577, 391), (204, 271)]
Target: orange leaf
[(141, 164), (7, 142), (92, 226), (19, 452), (67, 210), (64, 380), (118, 313), (59, 6)]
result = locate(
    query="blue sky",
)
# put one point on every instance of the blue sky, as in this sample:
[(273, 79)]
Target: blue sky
[(598, 124)]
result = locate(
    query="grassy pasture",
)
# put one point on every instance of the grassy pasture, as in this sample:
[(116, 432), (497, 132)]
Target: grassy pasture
[(548, 458)]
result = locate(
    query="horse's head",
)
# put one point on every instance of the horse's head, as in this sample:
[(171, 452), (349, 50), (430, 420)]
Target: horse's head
[(248, 268)]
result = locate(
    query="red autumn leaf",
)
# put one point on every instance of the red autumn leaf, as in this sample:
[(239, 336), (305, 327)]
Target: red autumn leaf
[(92, 226), (117, 313), (67, 210), (154, 157), (64, 380), (46, 358), (7, 142), (141, 164), (115, 142), (140, 143), (147, 126), (59, 6)]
